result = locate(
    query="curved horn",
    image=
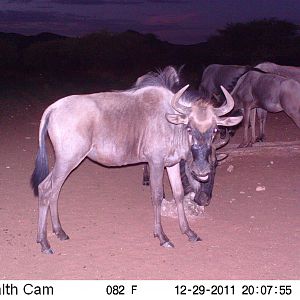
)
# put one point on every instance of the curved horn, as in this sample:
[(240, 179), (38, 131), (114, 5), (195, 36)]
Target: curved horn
[(222, 142), (175, 102), (226, 108)]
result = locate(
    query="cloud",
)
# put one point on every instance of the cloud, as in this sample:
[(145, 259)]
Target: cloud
[(173, 27), (170, 19), (15, 16), (33, 22)]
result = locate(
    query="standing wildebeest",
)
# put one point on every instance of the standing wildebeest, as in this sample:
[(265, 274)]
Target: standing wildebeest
[(270, 92), (217, 75), (146, 124), (202, 190), (285, 71), (228, 76)]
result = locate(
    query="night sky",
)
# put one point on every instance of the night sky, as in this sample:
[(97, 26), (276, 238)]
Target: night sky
[(176, 21)]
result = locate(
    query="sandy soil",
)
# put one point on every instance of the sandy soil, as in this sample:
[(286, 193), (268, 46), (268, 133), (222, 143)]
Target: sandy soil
[(247, 234)]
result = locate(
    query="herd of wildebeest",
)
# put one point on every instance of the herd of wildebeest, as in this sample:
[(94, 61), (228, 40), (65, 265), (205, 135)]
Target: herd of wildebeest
[(164, 124)]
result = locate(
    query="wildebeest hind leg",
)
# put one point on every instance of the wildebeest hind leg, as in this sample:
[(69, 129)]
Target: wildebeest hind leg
[(176, 185), (48, 196), (292, 108), (44, 195), (48, 191), (146, 177), (59, 174)]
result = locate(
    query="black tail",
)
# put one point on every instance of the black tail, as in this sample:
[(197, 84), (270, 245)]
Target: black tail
[(41, 170)]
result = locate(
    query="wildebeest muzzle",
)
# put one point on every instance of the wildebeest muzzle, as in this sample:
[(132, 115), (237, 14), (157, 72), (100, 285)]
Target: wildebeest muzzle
[(200, 167)]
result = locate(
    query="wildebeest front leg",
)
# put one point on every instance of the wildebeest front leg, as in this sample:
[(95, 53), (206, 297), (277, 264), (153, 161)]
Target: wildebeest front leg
[(262, 117), (177, 189), (156, 184), (245, 142), (252, 124)]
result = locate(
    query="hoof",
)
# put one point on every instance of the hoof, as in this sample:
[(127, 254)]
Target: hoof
[(261, 138), (45, 247), (258, 140), (244, 145), (167, 244), (47, 251), (146, 182), (62, 235), (195, 239)]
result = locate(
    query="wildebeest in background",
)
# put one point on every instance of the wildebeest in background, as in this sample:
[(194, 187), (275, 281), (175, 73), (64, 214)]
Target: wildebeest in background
[(285, 71), (228, 76), (146, 124), (270, 92), (217, 75)]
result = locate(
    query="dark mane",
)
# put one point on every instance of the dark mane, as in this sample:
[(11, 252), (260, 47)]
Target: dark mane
[(236, 79), (170, 78), (192, 95), (167, 78)]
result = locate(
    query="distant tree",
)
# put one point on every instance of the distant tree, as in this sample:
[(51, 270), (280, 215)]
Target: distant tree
[(255, 41), (8, 55)]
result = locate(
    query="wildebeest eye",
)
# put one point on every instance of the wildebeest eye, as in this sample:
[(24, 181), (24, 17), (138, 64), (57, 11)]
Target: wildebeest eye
[(189, 130), (215, 130)]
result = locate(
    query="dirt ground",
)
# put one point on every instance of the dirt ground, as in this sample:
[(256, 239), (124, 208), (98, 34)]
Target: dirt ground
[(247, 234)]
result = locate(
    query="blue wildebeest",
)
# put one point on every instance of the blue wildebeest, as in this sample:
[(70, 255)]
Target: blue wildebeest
[(228, 76), (217, 75), (270, 92), (285, 71), (146, 124), (202, 189)]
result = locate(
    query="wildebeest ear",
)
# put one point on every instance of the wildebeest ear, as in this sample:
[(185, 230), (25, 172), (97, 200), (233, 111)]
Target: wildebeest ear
[(221, 156), (229, 121), (177, 119)]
